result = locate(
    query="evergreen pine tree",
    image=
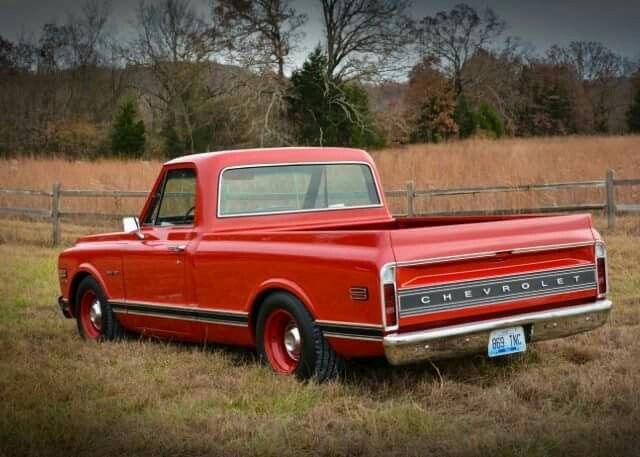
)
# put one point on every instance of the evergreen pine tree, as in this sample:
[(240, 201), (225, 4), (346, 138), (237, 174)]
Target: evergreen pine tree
[(633, 115), (465, 118), (488, 119), (173, 147), (127, 134), (329, 112)]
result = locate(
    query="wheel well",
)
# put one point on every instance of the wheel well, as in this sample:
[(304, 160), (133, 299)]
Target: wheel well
[(77, 279), (259, 300)]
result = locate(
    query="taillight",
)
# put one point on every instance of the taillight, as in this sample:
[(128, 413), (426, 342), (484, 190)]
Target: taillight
[(601, 267), (389, 306)]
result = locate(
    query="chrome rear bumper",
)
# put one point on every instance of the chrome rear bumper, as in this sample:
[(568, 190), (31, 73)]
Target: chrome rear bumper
[(473, 337)]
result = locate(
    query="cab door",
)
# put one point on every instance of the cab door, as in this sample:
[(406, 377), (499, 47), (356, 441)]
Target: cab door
[(157, 298)]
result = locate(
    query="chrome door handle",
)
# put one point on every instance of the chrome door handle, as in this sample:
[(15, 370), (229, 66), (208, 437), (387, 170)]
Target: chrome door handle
[(177, 247)]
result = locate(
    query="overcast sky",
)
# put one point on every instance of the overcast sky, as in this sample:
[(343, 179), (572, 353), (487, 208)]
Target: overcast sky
[(541, 23)]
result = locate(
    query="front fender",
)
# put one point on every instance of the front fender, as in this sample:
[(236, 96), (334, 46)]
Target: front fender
[(86, 269)]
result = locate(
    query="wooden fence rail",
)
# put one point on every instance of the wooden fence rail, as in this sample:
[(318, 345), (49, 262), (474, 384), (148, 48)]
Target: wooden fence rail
[(610, 207)]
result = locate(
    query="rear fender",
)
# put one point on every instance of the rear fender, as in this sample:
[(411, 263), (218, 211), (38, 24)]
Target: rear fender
[(273, 285)]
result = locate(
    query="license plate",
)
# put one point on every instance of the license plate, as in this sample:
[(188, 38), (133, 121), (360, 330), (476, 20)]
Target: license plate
[(506, 341)]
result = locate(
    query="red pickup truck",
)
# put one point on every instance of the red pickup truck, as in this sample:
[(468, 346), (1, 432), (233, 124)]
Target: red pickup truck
[(294, 252)]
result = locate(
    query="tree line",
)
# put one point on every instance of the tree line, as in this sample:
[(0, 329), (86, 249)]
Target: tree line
[(189, 79)]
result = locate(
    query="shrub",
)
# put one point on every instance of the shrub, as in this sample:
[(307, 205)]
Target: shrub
[(435, 120), (485, 120), (79, 137)]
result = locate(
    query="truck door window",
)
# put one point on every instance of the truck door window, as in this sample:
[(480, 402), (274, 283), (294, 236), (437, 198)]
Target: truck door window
[(176, 204)]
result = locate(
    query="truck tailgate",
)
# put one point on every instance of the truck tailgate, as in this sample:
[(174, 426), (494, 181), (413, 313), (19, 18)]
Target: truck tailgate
[(460, 273)]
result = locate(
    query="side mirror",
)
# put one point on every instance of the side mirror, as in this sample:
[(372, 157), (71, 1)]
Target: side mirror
[(132, 225)]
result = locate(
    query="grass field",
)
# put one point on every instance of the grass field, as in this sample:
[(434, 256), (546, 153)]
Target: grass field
[(61, 396), (574, 397)]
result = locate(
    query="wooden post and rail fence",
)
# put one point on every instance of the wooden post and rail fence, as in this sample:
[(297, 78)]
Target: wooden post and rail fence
[(610, 207)]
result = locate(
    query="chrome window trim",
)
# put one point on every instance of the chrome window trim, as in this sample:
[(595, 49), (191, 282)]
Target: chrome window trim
[(312, 210)]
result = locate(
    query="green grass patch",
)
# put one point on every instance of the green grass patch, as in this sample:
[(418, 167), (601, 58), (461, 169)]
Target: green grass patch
[(577, 396)]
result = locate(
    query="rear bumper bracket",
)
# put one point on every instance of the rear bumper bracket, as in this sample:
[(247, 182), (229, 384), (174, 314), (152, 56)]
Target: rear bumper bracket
[(65, 307)]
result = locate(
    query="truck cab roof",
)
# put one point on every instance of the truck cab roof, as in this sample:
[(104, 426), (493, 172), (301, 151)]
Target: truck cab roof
[(240, 157)]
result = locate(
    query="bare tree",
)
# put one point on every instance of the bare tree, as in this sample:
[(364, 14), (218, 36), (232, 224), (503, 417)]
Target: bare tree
[(600, 70), (493, 77), (260, 32), (365, 38), (591, 60), (454, 37), (87, 34), (261, 35), (79, 42), (174, 47)]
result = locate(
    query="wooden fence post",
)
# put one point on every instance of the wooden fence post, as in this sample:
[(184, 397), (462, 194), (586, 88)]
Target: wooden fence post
[(411, 195), (611, 200), (55, 214)]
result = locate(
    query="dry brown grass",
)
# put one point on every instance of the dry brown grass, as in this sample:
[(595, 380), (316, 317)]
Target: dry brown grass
[(477, 162), (60, 396), (480, 162), (509, 162)]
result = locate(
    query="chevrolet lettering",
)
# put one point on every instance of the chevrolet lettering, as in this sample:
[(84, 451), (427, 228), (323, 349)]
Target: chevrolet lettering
[(293, 252), (476, 293)]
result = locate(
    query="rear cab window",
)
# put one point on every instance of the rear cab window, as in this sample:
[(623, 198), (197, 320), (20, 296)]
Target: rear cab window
[(276, 189)]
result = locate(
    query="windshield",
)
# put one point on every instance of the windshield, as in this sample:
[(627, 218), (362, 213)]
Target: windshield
[(293, 188)]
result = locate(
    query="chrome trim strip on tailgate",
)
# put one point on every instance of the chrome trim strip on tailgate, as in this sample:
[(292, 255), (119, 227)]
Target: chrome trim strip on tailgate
[(462, 339), (479, 255)]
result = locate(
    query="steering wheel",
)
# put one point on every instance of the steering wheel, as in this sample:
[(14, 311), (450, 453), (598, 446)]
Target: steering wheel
[(188, 213)]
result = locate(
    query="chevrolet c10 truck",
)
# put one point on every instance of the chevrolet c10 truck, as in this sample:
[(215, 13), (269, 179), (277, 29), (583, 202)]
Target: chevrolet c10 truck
[(293, 251)]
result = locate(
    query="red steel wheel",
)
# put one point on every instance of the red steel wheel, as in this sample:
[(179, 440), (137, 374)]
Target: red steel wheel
[(91, 315), (288, 339), (95, 318), (282, 341)]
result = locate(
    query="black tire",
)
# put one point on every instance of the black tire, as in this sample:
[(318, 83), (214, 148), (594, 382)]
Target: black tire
[(110, 328), (318, 360)]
